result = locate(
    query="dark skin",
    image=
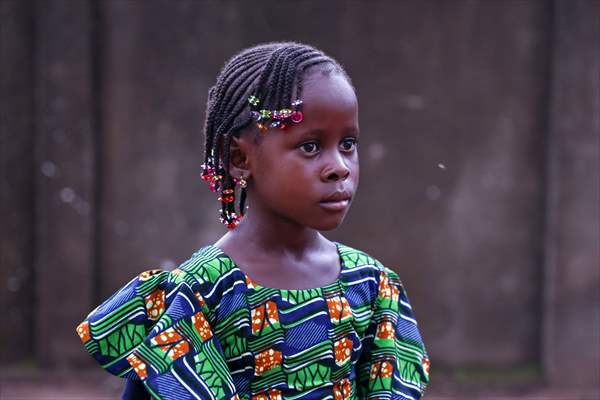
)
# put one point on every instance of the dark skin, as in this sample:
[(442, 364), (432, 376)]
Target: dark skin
[(289, 172)]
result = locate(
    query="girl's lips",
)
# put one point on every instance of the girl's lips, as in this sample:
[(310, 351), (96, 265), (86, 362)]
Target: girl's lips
[(335, 205)]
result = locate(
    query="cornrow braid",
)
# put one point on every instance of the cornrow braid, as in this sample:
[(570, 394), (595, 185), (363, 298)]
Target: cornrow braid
[(289, 75), (269, 71), (216, 91)]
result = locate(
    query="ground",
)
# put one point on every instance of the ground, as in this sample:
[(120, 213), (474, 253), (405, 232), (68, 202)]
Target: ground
[(93, 384)]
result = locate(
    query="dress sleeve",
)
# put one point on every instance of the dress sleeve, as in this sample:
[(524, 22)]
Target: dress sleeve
[(155, 329), (394, 363)]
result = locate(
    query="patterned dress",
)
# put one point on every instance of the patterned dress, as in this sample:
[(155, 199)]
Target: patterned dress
[(206, 331)]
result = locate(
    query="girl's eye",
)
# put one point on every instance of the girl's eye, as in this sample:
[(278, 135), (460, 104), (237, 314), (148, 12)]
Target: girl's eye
[(309, 147), (349, 144)]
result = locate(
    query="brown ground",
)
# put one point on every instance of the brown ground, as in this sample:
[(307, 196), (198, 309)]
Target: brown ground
[(93, 385)]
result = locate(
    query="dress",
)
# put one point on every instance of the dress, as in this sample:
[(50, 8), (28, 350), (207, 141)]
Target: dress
[(205, 330)]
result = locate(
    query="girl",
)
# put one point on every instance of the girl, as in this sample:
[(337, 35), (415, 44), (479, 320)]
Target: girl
[(273, 309)]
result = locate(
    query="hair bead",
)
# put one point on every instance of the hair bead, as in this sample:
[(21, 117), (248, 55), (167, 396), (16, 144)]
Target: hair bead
[(275, 118)]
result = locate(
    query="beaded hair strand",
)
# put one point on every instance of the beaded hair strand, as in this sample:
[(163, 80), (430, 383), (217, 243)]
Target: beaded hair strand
[(270, 72)]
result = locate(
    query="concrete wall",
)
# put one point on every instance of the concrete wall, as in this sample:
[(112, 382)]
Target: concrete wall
[(572, 234)]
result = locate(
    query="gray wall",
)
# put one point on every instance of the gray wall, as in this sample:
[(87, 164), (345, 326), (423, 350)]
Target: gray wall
[(479, 164)]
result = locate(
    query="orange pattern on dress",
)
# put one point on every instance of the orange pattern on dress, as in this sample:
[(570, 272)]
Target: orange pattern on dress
[(387, 290), (381, 369), (266, 361), (138, 366), (144, 276), (342, 389), (258, 316), (250, 283), (343, 351), (200, 299), (179, 350), (385, 330), (272, 394), (83, 330), (171, 342), (202, 326), (339, 309), (426, 363), (155, 304)]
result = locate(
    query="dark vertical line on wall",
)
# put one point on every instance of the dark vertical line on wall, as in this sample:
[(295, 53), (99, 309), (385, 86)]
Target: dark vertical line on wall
[(549, 197), (97, 57), (34, 173)]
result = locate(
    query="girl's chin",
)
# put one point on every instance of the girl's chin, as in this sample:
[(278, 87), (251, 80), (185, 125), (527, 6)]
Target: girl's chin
[(329, 223)]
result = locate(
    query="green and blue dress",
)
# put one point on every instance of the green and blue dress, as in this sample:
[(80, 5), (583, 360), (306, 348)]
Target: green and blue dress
[(205, 330)]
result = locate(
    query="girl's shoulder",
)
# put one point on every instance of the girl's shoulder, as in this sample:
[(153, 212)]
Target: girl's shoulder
[(207, 265), (355, 258), (151, 287)]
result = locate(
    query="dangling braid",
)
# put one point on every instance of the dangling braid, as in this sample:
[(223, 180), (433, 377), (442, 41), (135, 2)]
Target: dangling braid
[(269, 71)]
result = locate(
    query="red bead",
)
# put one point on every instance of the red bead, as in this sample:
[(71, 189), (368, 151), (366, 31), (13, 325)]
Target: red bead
[(226, 199), (297, 117)]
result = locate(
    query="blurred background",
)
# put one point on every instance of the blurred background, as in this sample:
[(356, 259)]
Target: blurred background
[(480, 160)]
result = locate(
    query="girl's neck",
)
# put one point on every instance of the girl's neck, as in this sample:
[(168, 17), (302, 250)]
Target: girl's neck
[(273, 236)]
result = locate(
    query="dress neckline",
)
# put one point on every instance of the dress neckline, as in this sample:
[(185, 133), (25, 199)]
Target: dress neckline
[(235, 265)]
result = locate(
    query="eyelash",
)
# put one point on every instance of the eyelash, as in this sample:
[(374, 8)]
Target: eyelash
[(353, 140)]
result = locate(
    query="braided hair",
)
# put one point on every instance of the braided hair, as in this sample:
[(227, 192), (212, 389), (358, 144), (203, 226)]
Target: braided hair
[(270, 71)]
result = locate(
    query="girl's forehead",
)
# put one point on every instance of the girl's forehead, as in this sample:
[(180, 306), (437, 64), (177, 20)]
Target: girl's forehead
[(329, 101), (331, 89)]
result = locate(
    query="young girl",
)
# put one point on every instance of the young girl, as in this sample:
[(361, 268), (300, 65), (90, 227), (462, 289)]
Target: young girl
[(273, 309)]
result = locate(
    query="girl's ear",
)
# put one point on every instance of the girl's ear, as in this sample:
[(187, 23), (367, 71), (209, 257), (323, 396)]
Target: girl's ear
[(238, 157)]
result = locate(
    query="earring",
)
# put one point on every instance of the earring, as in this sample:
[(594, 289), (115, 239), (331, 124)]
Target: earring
[(229, 218), (227, 198)]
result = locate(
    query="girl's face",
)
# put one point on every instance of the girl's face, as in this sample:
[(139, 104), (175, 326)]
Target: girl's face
[(294, 171)]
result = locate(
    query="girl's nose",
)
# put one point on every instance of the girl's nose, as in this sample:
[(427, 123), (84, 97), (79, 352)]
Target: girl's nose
[(336, 169)]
